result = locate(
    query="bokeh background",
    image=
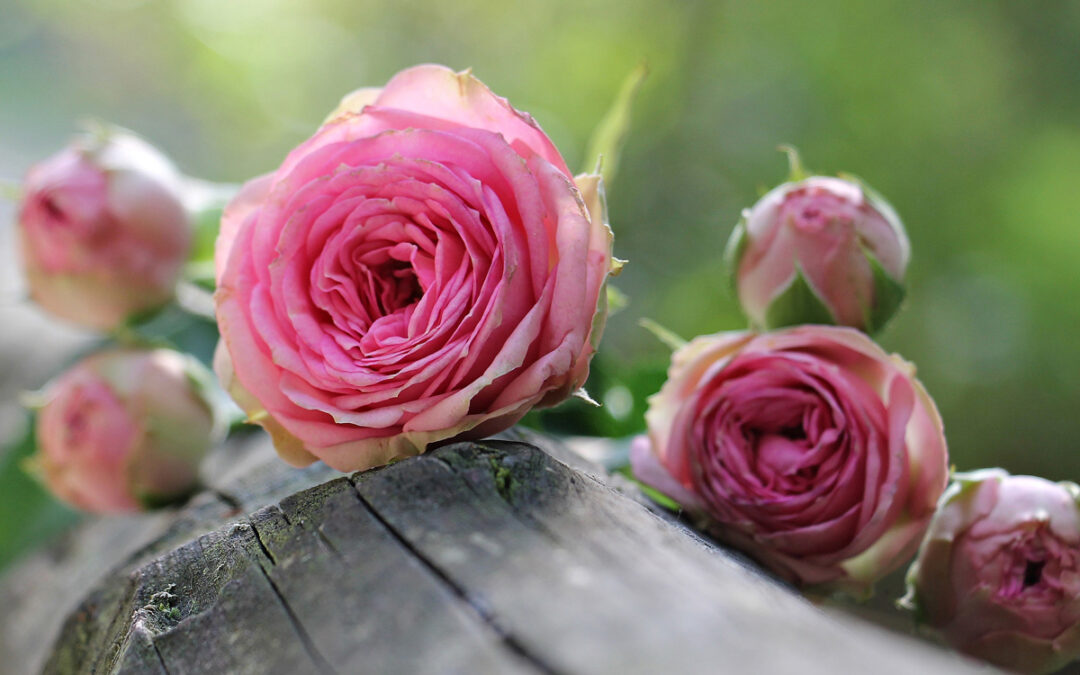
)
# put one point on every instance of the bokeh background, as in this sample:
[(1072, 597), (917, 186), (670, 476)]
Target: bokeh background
[(964, 113)]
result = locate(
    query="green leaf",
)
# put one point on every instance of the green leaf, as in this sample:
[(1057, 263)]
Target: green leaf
[(205, 202), (172, 327), (798, 304), (888, 295), (28, 514), (607, 140), (207, 224), (201, 273), (733, 251)]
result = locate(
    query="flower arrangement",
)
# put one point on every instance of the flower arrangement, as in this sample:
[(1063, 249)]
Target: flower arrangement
[(426, 267)]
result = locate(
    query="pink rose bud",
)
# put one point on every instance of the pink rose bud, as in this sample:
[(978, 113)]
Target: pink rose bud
[(104, 233), (998, 573), (125, 430), (425, 267), (819, 250), (810, 449)]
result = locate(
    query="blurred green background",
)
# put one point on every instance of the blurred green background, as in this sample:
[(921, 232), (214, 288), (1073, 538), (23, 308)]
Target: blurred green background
[(965, 114)]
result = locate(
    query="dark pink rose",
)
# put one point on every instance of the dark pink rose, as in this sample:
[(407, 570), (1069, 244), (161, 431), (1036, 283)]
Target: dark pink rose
[(811, 449), (819, 250), (998, 573), (425, 267), (124, 430), (103, 231)]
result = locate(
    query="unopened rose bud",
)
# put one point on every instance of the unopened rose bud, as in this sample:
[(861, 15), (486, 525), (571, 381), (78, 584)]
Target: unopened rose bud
[(104, 232), (819, 250), (998, 573), (125, 430)]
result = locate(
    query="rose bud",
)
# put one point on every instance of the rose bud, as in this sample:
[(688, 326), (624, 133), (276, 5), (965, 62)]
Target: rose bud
[(125, 430), (104, 233), (819, 250), (810, 449), (998, 574), (425, 267)]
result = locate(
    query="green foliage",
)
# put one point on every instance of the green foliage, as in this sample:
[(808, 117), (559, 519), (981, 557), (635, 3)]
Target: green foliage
[(207, 223), (798, 303), (888, 294), (605, 146), (28, 514), (173, 328), (205, 201), (733, 252)]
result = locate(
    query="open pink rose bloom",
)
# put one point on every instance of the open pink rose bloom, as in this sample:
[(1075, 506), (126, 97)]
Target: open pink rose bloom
[(103, 229), (425, 267), (999, 571), (124, 430), (810, 449)]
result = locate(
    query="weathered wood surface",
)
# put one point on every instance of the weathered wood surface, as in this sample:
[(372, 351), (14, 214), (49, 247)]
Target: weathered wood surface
[(487, 557)]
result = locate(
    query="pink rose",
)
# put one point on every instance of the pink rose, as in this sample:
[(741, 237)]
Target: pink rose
[(104, 233), (811, 449), (425, 267), (998, 573), (820, 250), (124, 430)]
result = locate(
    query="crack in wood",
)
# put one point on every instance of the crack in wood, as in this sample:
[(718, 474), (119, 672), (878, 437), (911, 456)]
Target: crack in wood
[(160, 658), (309, 645), (505, 495), (262, 544), (326, 542), (483, 613)]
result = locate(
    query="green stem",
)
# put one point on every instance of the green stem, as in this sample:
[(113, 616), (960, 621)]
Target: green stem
[(796, 170)]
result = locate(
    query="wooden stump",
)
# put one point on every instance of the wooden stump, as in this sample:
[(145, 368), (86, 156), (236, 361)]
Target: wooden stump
[(490, 557)]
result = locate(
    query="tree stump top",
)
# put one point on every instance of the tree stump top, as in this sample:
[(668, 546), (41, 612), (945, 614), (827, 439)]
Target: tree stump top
[(489, 557)]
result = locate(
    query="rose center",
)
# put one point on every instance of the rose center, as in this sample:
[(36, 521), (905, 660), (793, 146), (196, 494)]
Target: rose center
[(812, 211), (781, 459), (1033, 572), (54, 212), (393, 287), (793, 433), (77, 427), (1032, 568)]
